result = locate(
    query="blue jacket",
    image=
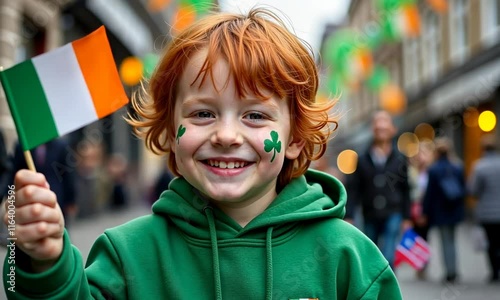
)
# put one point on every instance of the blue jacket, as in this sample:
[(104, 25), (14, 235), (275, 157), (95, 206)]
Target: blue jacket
[(436, 207)]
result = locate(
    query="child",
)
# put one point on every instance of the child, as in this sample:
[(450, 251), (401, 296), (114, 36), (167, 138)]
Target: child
[(232, 104)]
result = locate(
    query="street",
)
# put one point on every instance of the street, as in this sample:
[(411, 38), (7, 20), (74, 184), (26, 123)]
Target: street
[(472, 265), (472, 268)]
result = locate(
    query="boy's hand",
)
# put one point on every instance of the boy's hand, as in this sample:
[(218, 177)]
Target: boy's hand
[(39, 220)]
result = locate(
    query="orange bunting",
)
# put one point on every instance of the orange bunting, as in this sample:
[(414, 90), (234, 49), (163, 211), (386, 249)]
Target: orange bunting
[(364, 60), (157, 5), (392, 99), (184, 17), (412, 20), (440, 6)]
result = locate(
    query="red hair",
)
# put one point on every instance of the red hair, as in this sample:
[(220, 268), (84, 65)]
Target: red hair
[(263, 56)]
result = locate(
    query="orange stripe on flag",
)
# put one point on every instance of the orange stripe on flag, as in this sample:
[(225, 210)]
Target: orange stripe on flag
[(99, 70)]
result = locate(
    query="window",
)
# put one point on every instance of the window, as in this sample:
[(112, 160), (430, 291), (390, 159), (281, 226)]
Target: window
[(459, 19), (31, 42), (490, 22), (411, 63), (431, 45)]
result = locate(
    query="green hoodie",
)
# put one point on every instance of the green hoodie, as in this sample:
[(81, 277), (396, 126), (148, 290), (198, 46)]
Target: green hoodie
[(299, 247)]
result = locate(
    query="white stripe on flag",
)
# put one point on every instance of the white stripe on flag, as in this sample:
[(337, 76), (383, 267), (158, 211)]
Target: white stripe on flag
[(69, 100), (417, 261)]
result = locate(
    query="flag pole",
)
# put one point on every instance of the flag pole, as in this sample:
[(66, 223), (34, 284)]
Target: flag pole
[(29, 160), (27, 153)]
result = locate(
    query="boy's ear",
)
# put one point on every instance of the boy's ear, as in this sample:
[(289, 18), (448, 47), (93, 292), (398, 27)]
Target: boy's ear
[(294, 148)]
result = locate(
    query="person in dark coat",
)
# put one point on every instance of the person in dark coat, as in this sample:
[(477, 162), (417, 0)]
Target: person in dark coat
[(380, 185), (441, 211), (54, 160), (484, 184)]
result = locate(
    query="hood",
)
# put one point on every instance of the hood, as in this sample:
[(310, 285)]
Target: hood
[(315, 195)]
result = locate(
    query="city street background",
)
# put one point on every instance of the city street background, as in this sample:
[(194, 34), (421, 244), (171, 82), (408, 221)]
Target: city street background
[(433, 64), (472, 265)]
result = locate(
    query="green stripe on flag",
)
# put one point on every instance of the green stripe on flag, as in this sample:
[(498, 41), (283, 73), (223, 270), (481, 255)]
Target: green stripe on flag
[(28, 105)]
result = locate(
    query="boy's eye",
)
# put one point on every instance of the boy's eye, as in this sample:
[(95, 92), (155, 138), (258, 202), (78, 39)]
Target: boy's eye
[(204, 115), (255, 116)]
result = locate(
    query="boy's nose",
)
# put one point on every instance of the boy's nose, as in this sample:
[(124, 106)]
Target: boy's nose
[(227, 135)]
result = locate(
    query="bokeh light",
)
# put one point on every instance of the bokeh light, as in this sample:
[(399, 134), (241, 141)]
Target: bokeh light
[(408, 144), (150, 61), (424, 131), (347, 161), (487, 121), (440, 6), (392, 99), (184, 17), (131, 70), (157, 5)]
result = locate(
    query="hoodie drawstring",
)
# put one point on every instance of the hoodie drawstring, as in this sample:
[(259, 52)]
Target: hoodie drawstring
[(269, 263), (215, 251), (215, 256)]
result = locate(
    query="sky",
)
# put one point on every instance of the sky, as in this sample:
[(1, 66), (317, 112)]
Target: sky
[(308, 17)]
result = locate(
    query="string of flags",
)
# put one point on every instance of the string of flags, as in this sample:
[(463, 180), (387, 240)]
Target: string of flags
[(133, 69), (348, 54)]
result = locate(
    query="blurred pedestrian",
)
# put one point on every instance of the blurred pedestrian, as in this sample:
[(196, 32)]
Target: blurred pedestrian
[(117, 169), (93, 184), (161, 184), (380, 185), (418, 178), (444, 202), (484, 184)]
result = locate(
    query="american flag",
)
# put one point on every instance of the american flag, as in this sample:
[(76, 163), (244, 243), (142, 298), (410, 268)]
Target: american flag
[(413, 250)]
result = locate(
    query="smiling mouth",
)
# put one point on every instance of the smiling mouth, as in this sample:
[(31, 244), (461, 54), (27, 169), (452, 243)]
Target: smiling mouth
[(226, 164)]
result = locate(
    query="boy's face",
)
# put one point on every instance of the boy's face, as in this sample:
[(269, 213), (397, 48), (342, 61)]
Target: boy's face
[(230, 149)]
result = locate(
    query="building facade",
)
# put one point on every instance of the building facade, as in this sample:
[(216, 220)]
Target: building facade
[(32, 27), (450, 73)]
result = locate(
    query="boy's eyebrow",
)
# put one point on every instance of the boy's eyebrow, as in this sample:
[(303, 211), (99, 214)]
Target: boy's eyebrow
[(196, 100), (249, 101), (268, 103)]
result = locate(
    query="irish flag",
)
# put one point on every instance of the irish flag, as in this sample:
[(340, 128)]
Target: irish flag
[(63, 90)]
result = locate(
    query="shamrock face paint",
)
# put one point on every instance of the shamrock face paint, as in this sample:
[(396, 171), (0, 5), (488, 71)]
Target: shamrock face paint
[(274, 144), (180, 132)]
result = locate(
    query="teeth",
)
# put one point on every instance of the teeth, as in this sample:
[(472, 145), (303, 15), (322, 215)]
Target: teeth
[(226, 165)]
